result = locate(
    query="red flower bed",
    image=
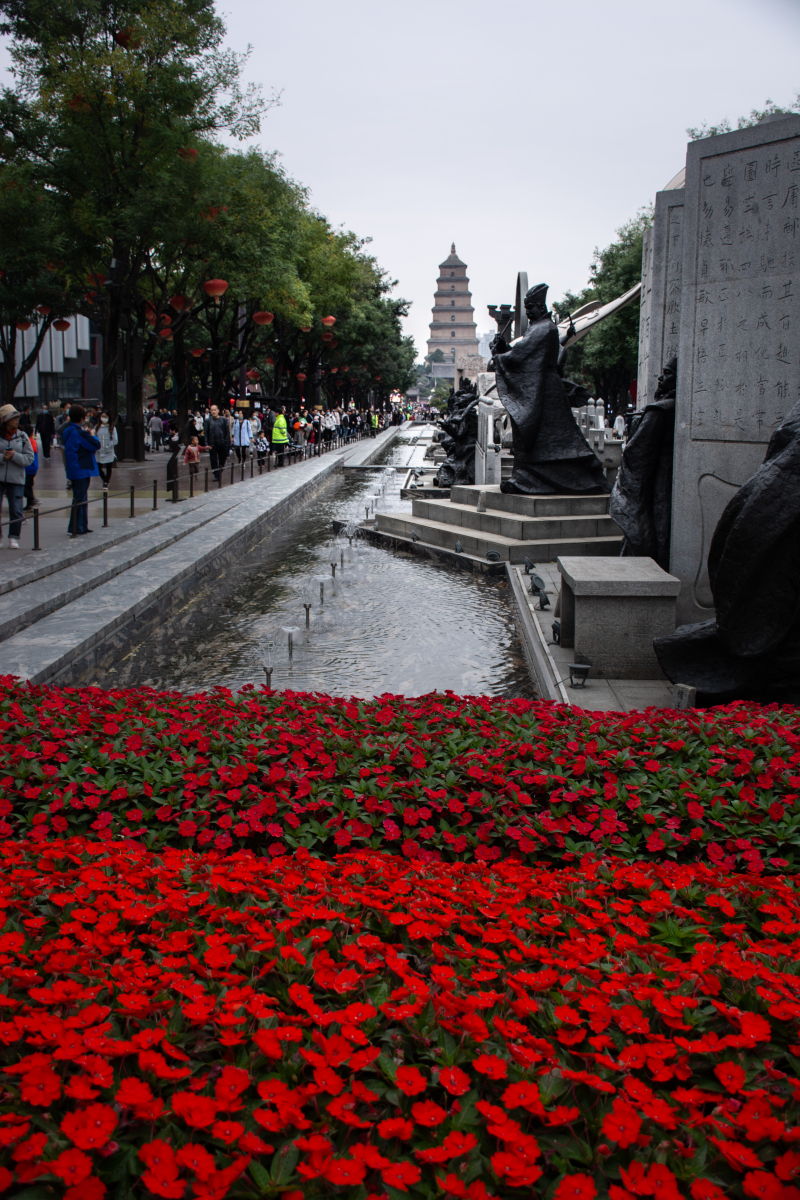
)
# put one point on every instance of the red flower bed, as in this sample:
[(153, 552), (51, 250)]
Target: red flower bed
[(436, 778), (186, 1025)]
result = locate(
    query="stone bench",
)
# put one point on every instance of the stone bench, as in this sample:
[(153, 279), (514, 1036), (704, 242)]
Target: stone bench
[(611, 609)]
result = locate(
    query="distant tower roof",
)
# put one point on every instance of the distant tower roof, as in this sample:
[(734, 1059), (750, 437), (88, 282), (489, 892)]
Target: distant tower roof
[(452, 259)]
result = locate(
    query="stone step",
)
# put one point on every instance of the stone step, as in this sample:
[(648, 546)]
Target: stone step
[(474, 542), (530, 506), (522, 529), (537, 528)]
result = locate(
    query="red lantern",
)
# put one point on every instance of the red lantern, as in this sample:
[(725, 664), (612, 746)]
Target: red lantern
[(327, 337), (61, 325), (93, 277), (188, 153), (270, 362), (301, 376), (23, 325), (329, 321), (197, 353), (334, 370), (263, 318), (305, 328), (215, 288), (253, 373), (43, 309), (179, 303), (165, 333), (166, 319)]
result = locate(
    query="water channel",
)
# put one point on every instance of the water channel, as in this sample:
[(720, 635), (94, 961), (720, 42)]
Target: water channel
[(390, 622)]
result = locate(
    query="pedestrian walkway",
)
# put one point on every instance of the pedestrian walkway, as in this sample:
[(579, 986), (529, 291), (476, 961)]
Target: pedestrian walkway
[(148, 480)]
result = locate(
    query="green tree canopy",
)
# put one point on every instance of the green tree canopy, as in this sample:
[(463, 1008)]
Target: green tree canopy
[(606, 359)]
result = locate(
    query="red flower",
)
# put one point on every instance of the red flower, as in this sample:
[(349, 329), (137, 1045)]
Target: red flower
[(72, 1166), (622, 1124), (762, 1185), (161, 1177), (787, 1166), (89, 1189), (396, 1127), (739, 1156), (401, 1175), (517, 1171), (458, 1143), (133, 1092), (731, 1076), (426, 1113), (704, 1189), (491, 1065), (196, 1159), (40, 1086), (454, 1080), (410, 1081), (232, 1081), (345, 1172), (227, 1131), (197, 1111), (91, 1127), (576, 1187)]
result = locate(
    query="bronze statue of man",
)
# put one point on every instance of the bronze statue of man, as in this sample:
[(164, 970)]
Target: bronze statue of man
[(551, 455)]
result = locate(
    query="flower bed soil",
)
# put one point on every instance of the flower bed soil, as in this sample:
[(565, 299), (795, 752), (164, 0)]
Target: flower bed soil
[(181, 1024), (435, 778)]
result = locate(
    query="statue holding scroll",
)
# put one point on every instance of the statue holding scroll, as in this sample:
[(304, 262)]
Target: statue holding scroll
[(551, 455)]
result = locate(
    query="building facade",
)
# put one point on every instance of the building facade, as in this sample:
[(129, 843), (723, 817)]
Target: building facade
[(453, 329), (68, 366)]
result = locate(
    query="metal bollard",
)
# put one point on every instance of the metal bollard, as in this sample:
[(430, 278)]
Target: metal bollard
[(175, 488), (155, 494), (36, 545), (105, 510), (231, 470), (206, 487), (242, 475), (133, 494), (252, 466), (191, 485)]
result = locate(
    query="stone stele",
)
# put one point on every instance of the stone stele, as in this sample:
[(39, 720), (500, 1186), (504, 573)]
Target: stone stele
[(738, 363)]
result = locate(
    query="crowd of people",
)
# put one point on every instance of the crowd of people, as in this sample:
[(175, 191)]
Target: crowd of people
[(89, 442)]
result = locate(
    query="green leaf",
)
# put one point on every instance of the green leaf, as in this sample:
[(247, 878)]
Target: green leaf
[(284, 1163), (261, 1176)]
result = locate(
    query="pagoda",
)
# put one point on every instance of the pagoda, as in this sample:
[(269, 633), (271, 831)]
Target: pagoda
[(453, 329)]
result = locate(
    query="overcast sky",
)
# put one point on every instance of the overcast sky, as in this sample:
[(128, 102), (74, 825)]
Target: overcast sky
[(527, 132)]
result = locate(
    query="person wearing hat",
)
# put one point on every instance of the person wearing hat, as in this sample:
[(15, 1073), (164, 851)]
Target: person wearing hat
[(17, 454), (79, 459)]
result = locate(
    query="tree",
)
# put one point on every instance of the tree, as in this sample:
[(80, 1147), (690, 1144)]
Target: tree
[(33, 290), (705, 130), (607, 358), (112, 99)]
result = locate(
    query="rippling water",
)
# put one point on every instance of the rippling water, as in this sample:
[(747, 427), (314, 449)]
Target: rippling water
[(391, 622)]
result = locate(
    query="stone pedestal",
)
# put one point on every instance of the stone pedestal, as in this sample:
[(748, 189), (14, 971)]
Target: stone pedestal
[(738, 366), (611, 609)]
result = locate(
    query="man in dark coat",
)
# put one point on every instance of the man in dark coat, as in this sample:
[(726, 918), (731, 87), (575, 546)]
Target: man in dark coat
[(551, 455), (218, 440), (46, 427)]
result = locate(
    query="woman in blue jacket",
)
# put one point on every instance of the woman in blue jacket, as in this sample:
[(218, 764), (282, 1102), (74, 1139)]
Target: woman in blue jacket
[(79, 450)]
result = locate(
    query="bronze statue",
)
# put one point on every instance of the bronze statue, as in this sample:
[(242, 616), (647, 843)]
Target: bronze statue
[(641, 499), (752, 650), (551, 455), (460, 434)]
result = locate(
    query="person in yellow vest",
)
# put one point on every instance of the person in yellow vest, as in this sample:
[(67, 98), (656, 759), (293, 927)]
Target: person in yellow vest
[(373, 420), (279, 434)]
